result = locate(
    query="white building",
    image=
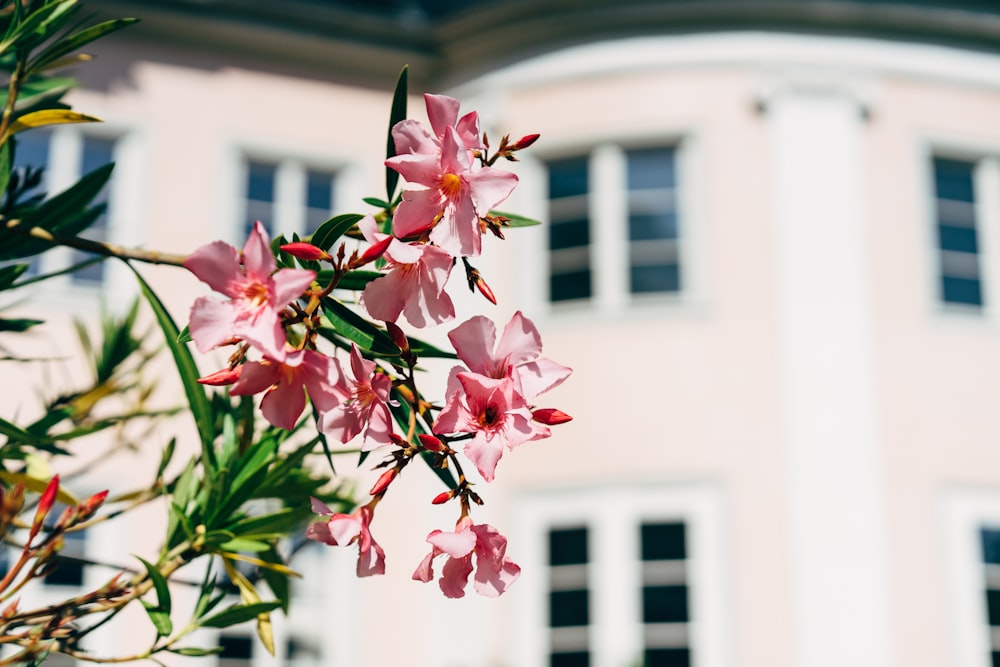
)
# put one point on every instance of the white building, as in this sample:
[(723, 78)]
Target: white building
[(771, 254)]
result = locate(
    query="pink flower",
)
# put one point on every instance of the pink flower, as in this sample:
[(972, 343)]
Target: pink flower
[(495, 572), (517, 355), (287, 380), (256, 297), (454, 197), (344, 529), (414, 285), (493, 411), (410, 136), (365, 410)]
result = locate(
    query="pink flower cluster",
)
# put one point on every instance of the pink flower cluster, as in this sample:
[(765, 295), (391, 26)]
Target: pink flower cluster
[(273, 318)]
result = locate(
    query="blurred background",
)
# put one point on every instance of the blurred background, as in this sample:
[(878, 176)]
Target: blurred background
[(770, 251)]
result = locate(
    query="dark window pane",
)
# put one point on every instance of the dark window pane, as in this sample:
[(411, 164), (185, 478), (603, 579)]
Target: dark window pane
[(663, 541), (953, 180), (568, 178), (996, 659), (259, 197), (567, 286), (993, 606), (664, 604), (236, 650), (568, 546), (667, 657), (962, 239), (651, 168), (569, 234), (319, 199), (568, 608), (68, 572), (97, 152), (655, 278), (32, 150), (653, 226), (961, 290), (991, 546), (578, 659)]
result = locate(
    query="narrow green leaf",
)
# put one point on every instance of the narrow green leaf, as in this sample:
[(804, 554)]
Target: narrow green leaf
[(266, 524), (331, 230), (6, 163), (353, 280), (8, 274), (192, 652), (397, 114), (165, 458), (161, 621), (357, 329), (18, 325), (160, 584), (200, 406), (242, 544), (78, 40), (376, 202), (15, 432), (238, 613), (277, 581), (517, 220)]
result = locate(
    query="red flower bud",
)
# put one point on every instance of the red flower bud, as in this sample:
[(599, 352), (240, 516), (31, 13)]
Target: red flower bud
[(550, 416), (306, 251), (373, 252), (397, 336), (384, 481), (45, 502), (222, 377), (92, 504), (525, 141), (431, 443), (443, 497), (485, 290)]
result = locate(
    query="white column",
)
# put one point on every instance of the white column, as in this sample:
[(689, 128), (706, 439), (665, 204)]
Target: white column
[(987, 189), (835, 495), (608, 212)]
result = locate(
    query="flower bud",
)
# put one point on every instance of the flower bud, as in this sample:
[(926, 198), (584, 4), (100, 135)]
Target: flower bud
[(431, 443), (373, 252), (45, 502), (550, 416), (443, 497), (397, 336), (524, 142), (384, 481), (306, 251), (221, 378), (485, 290)]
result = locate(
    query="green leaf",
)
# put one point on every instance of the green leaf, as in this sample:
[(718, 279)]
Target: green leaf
[(15, 432), (357, 329), (161, 621), (18, 325), (331, 230), (517, 220), (397, 114), (353, 280), (198, 401), (242, 544), (78, 40), (238, 613), (168, 454), (160, 584), (185, 335), (376, 202), (192, 652), (8, 274), (6, 163), (275, 523), (39, 25)]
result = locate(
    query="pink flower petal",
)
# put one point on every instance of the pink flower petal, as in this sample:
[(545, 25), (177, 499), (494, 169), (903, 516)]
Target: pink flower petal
[(211, 323), (456, 545), (455, 576), (289, 284), (255, 378), (442, 112), (257, 257), (215, 264), (473, 341)]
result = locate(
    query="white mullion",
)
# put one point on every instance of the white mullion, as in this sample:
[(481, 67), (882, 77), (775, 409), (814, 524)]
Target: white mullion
[(986, 183), (612, 579), (609, 237), (289, 198)]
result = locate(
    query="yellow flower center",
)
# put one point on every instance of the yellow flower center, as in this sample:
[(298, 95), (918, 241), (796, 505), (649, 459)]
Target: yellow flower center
[(450, 185), (256, 294)]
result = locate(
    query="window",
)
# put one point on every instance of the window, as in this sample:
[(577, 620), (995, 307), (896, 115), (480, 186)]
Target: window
[(237, 650), (287, 197), (626, 577), (613, 224), (69, 570), (957, 234), (95, 152)]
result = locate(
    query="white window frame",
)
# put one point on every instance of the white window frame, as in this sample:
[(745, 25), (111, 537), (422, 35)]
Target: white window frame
[(291, 168), (966, 512), (613, 515), (986, 184), (124, 198), (608, 213)]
